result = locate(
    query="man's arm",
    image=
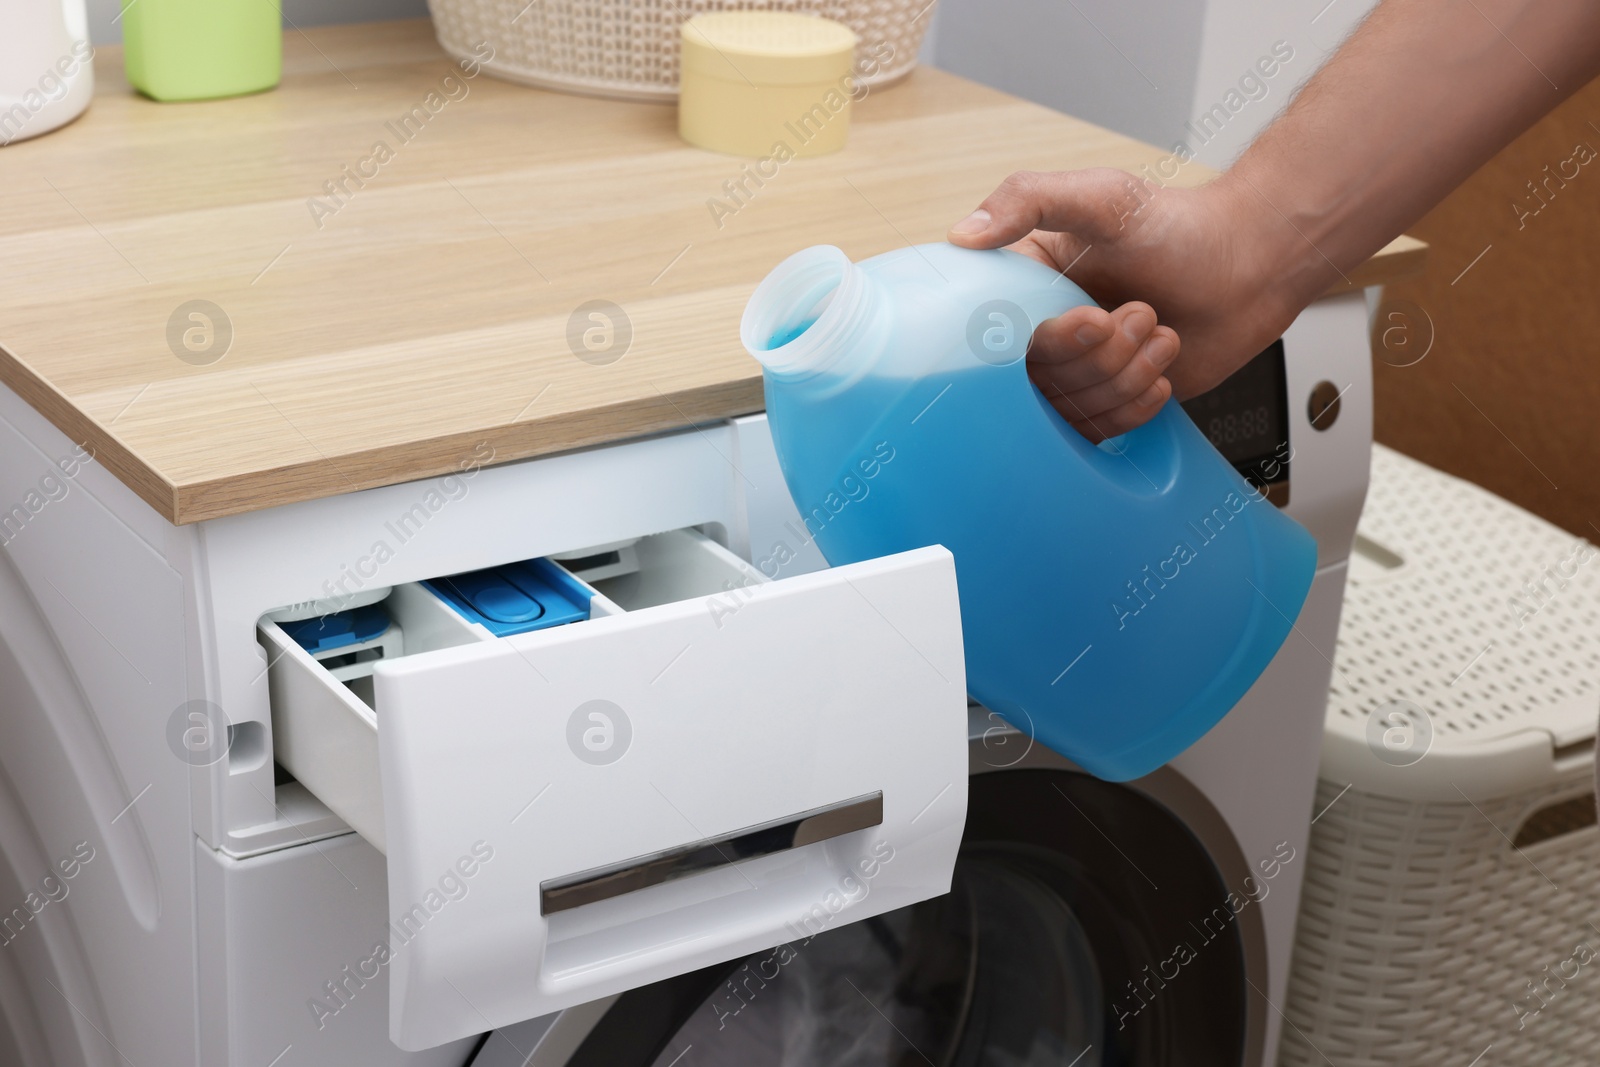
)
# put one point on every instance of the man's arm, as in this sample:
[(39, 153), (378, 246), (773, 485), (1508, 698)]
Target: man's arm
[(1421, 95)]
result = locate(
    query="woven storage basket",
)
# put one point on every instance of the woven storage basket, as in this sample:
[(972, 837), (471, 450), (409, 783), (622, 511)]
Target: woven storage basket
[(628, 49), (1437, 891)]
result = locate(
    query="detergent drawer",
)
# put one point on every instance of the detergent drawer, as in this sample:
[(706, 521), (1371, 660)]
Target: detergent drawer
[(694, 772)]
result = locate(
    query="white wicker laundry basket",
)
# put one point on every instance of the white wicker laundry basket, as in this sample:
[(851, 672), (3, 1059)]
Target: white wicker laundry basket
[(629, 48), (1449, 898)]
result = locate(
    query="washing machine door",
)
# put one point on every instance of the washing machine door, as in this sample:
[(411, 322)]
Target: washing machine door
[(1054, 947)]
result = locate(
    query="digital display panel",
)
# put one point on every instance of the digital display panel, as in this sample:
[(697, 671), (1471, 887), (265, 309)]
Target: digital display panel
[(1246, 418)]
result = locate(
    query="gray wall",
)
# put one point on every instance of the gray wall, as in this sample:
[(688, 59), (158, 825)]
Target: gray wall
[(102, 30), (1129, 65), (1143, 67)]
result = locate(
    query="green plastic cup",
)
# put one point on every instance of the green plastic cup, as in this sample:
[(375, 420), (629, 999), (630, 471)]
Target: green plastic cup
[(202, 49)]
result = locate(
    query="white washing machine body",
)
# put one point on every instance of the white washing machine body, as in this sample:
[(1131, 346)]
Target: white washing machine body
[(221, 903)]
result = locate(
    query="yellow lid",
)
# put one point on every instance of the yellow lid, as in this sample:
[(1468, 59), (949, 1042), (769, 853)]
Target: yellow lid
[(767, 47)]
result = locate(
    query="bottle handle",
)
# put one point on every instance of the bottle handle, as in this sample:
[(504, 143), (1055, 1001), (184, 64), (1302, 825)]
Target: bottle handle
[(1145, 460)]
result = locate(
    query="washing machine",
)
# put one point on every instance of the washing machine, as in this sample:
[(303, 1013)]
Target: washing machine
[(1089, 922), (230, 902), (1068, 894)]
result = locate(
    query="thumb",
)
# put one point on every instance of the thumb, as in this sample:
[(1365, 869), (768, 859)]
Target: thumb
[(1089, 204)]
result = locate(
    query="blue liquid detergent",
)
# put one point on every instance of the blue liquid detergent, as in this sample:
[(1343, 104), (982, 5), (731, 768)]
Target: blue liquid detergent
[(1116, 600)]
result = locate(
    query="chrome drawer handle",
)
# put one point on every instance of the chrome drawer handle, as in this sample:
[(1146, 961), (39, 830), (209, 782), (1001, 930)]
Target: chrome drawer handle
[(780, 835)]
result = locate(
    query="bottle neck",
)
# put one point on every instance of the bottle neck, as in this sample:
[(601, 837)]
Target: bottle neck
[(811, 311)]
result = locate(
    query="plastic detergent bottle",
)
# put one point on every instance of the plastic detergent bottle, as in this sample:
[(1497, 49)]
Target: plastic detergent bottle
[(1116, 600)]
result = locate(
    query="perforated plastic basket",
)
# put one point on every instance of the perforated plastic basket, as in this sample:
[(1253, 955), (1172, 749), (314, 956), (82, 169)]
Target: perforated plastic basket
[(629, 48), (1452, 882)]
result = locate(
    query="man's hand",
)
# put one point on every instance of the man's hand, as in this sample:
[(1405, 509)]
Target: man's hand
[(1180, 256)]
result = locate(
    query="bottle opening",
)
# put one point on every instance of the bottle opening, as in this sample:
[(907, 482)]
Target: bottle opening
[(800, 315)]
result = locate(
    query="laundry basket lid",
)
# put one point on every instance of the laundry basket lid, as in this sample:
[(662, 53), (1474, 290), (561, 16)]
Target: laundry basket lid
[(1468, 658)]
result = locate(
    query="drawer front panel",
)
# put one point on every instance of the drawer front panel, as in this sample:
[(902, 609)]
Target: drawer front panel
[(829, 707)]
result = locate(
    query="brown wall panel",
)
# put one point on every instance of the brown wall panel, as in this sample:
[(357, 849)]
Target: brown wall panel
[(1509, 394)]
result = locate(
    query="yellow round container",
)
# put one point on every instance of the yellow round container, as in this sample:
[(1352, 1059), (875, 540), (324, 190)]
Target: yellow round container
[(766, 83)]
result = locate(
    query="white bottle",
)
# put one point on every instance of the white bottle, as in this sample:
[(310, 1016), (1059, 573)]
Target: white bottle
[(46, 76)]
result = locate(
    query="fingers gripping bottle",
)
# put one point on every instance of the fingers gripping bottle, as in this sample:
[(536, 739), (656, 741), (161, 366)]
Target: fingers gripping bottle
[(1116, 600)]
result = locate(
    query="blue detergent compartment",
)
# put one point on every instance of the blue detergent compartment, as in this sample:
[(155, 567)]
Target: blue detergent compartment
[(515, 598), (325, 633), (1116, 601)]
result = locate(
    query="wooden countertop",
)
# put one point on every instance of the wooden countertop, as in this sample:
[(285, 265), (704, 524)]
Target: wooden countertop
[(389, 340)]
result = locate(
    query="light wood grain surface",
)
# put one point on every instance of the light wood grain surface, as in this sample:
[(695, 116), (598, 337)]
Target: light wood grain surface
[(428, 317)]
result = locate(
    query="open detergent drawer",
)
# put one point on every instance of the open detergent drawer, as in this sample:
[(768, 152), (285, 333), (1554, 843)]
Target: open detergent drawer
[(706, 765)]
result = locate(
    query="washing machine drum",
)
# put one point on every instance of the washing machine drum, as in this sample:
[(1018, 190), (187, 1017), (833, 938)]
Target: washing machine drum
[(1068, 894)]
